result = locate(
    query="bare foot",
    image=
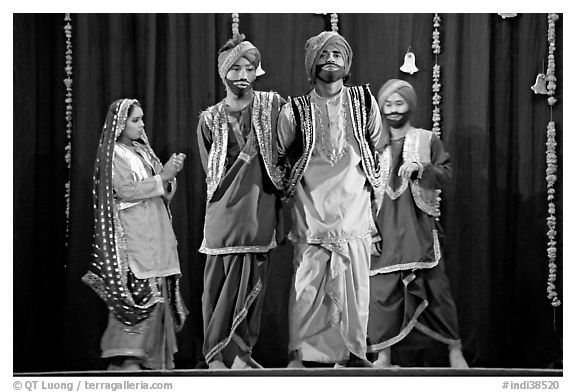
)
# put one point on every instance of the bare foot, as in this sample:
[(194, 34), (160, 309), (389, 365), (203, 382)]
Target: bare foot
[(130, 364), (295, 360), (217, 365), (382, 364), (295, 364), (383, 360), (239, 364), (457, 359)]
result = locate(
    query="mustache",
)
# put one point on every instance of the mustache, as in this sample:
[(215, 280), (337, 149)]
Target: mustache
[(331, 63)]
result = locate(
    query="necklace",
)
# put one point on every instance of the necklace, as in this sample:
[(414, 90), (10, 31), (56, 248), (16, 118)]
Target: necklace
[(334, 153)]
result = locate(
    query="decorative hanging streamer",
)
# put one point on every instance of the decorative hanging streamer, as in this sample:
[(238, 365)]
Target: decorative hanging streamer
[(236, 32), (409, 65), (334, 22), (551, 163), (68, 117), (235, 25), (436, 98)]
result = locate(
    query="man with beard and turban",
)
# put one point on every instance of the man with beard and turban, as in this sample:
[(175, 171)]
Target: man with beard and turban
[(327, 143), (408, 286), (237, 143)]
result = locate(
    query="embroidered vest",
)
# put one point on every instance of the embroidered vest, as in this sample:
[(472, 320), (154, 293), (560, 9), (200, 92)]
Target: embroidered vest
[(264, 126), (416, 149), (360, 104)]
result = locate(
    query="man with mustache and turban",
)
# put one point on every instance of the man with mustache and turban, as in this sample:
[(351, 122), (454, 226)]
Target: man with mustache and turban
[(408, 286), (327, 144), (237, 143)]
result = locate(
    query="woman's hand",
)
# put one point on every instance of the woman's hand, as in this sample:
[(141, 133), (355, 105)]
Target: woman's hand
[(173, 166), (178, 160)]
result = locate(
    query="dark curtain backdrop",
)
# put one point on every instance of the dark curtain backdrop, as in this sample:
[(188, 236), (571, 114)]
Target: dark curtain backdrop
[(494, 212)]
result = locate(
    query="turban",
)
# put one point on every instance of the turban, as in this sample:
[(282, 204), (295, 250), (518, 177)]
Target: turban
[(401, 87), (316, 44), (227, 58)]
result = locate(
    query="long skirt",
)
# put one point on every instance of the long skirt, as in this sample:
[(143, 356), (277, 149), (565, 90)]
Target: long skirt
[(329, 297), (404, 300), (153, 340), (234, 286)]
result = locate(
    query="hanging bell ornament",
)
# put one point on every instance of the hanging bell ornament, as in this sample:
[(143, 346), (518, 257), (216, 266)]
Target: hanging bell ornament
[(259, 70), (409, 65), (540, 84)]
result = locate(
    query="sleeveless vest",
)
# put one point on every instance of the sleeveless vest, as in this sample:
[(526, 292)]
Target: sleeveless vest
[(416, 149), (263, 124), (360, 104)]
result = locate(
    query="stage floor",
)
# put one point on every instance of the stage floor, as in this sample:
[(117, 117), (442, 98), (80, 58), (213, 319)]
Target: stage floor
[(312, 372)]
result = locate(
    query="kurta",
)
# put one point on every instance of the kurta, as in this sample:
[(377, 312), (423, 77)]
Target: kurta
[(331, 231), (239, 230), (151, 248), (408, 286), (150, 240)]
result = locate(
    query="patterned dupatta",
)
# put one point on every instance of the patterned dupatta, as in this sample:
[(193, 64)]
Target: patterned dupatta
[(130, 299)]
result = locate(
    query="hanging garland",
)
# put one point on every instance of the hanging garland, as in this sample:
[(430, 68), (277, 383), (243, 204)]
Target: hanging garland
[(235, 25), (334, 22), (68, 117), (236, 33), (436, 98), (551, 163)]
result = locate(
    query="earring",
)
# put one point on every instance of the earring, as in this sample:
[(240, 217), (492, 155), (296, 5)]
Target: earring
[(409, 65)]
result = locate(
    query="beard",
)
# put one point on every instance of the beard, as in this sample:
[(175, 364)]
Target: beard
[(330, 76), (399, 123), (236, 90)]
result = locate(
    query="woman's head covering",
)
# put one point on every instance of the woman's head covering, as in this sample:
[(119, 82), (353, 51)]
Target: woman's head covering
[(401, 87), (234, 49), (316, 44), (130, 299)]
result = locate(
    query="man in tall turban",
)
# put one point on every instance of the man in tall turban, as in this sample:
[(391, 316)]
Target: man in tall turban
[(237, 143), (408, 286), (327, 143)]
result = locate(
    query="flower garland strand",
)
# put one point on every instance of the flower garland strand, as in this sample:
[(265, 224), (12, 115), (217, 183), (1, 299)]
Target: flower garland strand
[(436, 98), (334, 22), (235, 25), (551, 164), (68, 117)]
